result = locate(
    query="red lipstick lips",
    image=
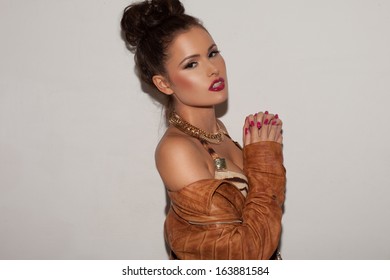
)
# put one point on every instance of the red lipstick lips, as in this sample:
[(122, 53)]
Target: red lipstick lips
[(217, 85)]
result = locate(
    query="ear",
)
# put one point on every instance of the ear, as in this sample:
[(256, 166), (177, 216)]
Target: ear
[(162, 84)]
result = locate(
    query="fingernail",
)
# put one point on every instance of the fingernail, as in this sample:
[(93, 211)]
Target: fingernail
[(252, 123), (246, 131), (273, 122), (276, 116), (266, 112), (266, 121), (258, 125)]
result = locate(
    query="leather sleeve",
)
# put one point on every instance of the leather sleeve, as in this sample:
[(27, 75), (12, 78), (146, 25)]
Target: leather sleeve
[(210, 219)]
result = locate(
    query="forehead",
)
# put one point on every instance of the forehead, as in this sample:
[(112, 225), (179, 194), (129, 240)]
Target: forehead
[(194, 41)]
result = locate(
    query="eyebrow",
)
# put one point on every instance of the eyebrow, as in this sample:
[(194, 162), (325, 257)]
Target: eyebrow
[(196, 55)]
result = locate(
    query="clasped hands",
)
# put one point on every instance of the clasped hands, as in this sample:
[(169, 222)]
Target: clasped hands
[(262, 127)]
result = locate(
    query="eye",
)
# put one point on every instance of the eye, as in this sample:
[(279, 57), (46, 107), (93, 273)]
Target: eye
[(214, 53), (191, 65)]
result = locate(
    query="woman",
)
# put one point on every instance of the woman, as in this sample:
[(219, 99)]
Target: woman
[(226, 203)]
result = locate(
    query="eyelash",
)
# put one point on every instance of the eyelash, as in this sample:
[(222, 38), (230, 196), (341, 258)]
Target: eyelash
[(214, 53), (193, 64), (190, 65)]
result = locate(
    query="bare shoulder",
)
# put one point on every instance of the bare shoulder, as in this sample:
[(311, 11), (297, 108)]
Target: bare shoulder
[(222, 125), (180, 161)]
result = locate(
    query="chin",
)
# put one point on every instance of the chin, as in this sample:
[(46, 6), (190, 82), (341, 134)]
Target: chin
[(223, 96)]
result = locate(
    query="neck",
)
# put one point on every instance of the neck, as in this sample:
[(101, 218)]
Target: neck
[(203, 118)]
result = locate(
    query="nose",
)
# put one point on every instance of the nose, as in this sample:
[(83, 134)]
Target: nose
[(212, 69)]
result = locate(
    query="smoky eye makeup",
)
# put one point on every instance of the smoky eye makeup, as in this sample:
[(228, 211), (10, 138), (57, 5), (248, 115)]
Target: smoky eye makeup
[(214, 52), (190, 65)]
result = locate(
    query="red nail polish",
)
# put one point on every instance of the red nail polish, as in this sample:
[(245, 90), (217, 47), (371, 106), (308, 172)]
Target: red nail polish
[(273, 122), (258, 125), (252, 123), (266, 112), (276, 116), (266, 121)]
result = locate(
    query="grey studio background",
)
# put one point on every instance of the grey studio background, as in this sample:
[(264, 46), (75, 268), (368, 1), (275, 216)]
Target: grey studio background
[(77, 133)]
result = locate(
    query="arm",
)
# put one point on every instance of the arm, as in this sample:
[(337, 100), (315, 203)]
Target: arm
[(215, 205), (180, 161)]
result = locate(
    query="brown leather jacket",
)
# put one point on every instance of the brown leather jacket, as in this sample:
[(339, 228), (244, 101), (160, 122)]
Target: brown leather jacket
[(211, 219)]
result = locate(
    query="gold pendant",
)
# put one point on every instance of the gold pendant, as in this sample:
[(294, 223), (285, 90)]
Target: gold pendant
[(220, 164)]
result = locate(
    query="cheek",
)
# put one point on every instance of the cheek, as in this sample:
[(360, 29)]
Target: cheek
[(222, 65), (184, 82)]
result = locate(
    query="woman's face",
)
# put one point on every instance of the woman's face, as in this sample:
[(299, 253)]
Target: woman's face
[(196, 70)]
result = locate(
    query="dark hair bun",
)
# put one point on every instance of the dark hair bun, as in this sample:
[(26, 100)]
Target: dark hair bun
[(141, 17)]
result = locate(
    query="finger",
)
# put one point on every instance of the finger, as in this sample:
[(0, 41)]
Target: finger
[(279, 126), (246, 132), (253, 130), (264, 131), (280, 139), (274, 129), (259, 121)]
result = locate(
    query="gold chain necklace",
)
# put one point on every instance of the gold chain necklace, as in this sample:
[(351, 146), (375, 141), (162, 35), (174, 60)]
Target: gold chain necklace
[(187, 128)]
